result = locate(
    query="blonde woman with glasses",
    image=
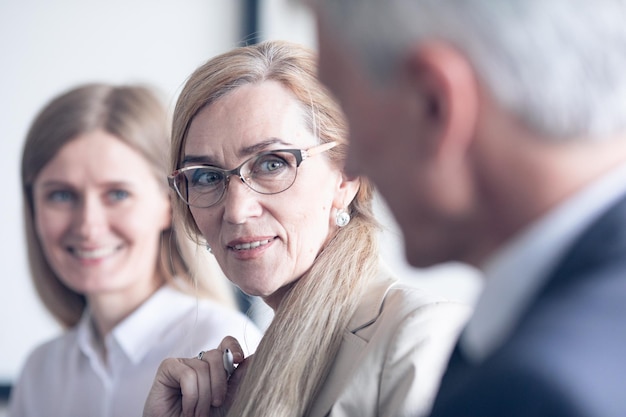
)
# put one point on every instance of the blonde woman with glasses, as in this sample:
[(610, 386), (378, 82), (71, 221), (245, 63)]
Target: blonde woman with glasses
[(107, 262), (258, 157)]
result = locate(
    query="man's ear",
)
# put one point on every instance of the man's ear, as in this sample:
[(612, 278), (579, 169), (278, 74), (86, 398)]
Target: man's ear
[(447, 93), (447, 83)]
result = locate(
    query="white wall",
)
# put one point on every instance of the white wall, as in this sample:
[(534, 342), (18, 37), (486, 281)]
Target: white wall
[(48, 46)]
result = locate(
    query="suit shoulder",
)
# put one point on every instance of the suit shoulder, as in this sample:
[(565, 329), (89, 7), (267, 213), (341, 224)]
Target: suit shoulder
[(411, 300)]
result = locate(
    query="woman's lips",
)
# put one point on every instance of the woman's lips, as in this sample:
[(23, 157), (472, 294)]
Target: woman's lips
[(250, 248), (250, 245), (93, 253)]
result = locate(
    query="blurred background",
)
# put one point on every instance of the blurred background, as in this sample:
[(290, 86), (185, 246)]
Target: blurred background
[(48, 46)]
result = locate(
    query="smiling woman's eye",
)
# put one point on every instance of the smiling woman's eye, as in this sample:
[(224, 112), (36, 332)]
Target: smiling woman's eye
[(118, 195), (61, 196)]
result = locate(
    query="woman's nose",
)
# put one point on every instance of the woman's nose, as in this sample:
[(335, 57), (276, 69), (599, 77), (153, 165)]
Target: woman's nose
[(91, 217), (240, 201)]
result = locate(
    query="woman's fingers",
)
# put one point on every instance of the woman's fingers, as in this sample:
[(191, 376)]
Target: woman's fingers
[(194, 386), (182, 387), (199, 389), (231, 343), (216, 375), (164, 398)]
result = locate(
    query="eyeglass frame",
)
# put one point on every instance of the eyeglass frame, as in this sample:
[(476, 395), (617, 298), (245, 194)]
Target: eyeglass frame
[(300, 154)]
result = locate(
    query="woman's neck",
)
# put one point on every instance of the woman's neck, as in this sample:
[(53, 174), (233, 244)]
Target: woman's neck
[(110, 309)]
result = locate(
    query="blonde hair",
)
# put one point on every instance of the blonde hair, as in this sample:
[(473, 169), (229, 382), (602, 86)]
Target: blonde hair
[(307, 328), (136, 116)]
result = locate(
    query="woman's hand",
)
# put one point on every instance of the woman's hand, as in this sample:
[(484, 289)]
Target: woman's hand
[(195, 387)]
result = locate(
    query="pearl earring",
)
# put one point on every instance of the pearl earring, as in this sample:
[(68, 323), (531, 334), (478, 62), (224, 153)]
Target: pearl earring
[(342, 218)]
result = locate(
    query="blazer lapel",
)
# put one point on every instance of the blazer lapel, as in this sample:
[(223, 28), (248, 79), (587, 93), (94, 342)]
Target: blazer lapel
[(352, 347), (602, 243)]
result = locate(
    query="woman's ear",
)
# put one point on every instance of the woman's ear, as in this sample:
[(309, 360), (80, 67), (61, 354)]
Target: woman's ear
[(347, 188), (166, 214)]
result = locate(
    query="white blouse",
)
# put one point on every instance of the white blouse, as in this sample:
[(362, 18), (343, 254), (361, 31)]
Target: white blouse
[(68, 376)]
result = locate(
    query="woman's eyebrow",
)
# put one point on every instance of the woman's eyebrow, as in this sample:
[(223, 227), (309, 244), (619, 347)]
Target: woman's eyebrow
[(242, 153), (261, 146), (197, 159), (110, 183), (53, 184)]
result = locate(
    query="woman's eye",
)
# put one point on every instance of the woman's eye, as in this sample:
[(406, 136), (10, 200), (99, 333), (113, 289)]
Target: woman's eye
[(269, 163), (118, 195), (206, 177), (273, 165), (61, 196)]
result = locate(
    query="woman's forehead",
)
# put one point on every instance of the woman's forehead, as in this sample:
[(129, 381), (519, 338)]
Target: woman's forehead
[(253, 116)]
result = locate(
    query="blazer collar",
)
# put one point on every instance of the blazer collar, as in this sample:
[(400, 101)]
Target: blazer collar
[(371, 303), (347, 358), (603, 243), (525, 268)]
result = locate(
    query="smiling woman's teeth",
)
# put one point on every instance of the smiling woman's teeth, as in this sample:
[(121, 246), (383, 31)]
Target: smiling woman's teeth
[(251, 245), (93, 254)]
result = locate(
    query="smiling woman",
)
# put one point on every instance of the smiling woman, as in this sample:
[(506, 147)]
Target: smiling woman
[(99, 213), (106, 260)]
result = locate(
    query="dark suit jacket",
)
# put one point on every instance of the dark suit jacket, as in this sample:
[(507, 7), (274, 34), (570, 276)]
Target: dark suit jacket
[(567, 355)]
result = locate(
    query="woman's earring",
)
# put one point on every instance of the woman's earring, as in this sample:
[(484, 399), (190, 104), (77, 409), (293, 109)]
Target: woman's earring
[(208, 248), (342, 218)]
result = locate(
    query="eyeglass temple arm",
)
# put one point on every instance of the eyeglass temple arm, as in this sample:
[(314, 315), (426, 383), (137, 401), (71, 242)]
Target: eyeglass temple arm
[(171, 181), (318, 149)]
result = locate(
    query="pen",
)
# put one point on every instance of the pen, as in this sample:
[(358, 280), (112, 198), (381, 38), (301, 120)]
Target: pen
[(229, 366)]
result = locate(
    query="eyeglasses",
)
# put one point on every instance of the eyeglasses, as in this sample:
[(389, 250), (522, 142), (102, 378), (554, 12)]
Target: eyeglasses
[(270, 172)]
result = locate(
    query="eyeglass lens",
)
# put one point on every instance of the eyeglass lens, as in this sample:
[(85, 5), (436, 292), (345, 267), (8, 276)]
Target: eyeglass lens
[(266, 173)]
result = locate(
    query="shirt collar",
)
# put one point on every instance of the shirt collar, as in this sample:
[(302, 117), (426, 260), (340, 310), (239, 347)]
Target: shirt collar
[(142, 329), (86, 335), (139, 332), (515, 274)]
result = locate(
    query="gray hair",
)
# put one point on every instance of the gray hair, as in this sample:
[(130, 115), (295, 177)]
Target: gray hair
[(557, 65)]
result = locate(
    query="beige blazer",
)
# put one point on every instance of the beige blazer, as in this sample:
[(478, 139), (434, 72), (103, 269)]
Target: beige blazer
[(393, 354)]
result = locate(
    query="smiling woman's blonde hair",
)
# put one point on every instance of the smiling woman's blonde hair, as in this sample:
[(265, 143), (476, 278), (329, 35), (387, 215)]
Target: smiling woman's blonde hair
[(135, 115), (299, 347)]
